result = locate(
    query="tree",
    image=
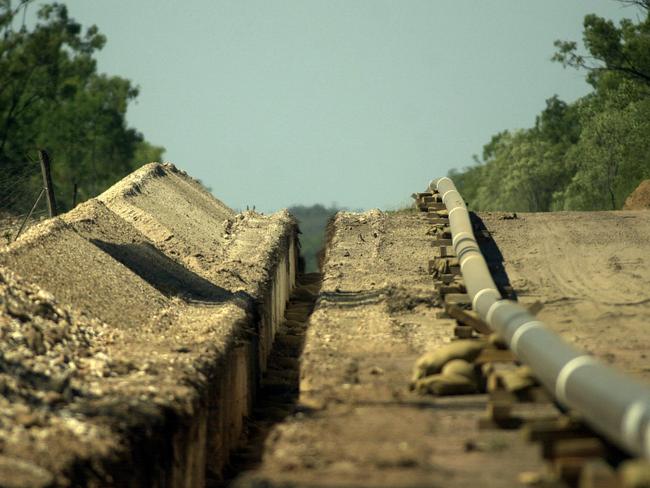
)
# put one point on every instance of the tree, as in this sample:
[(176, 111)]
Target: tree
[(52, 97), (589, 154), (312, 220), (612, 155), (559, 122), (623, 51)]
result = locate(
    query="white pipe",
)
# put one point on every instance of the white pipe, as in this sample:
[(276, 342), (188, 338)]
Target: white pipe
[(613, 404)]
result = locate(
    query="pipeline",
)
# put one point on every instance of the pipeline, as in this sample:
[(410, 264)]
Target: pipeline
[(613, 404)]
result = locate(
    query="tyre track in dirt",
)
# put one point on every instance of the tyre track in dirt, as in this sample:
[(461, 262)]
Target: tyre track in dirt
[(591, 272), (358, 423)]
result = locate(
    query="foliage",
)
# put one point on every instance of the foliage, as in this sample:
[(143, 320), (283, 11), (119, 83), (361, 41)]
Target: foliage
[(612, 155), (312, 220), (52, 97), (620, 51), (589, 154)]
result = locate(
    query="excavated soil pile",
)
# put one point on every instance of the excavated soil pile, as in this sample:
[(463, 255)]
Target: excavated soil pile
[(132, 333), (640, 198)]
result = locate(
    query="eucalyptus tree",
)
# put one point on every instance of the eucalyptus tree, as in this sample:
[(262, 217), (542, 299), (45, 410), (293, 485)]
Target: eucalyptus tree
[(51, 96)]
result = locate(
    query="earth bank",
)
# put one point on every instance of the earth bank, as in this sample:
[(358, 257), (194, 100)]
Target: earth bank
[(134, 330)]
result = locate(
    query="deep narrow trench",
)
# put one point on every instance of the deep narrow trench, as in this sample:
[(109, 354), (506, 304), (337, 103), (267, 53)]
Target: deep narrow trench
[(279, 388)]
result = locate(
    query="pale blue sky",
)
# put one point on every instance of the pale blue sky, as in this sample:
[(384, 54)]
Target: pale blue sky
[(273, 103)]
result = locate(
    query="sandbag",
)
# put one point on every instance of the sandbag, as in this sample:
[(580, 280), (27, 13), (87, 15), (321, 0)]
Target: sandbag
[(445, 384), (459, 367), (635, 473), (432, 362)]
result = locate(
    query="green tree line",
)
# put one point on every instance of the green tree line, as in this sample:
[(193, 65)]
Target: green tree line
[(312, 221), (52, 97), (586, 155)]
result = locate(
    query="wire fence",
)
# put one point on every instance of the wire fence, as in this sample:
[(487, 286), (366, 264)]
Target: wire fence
[(23, 199)]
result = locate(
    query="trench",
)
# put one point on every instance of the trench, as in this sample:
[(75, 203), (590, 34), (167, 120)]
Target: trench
[(254, 386), (278, 393)]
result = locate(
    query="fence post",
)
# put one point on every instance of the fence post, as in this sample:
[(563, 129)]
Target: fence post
[(47, 181), (74, 195)]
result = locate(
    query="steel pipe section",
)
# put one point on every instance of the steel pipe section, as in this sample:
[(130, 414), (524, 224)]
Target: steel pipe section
[(612, 403)]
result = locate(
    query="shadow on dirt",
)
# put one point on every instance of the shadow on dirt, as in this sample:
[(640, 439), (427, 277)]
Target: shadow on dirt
[(493, 257), (280, 384), (163, 273)]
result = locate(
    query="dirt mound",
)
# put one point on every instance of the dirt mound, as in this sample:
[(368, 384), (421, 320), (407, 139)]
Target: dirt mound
[(120, 240), (50, 357), (126, 348), (189, 225), (55, 257), (80, 396), (173, 211), (640, 198)]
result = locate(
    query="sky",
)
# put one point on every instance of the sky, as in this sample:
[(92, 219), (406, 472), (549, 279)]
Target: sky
[(357, 103)]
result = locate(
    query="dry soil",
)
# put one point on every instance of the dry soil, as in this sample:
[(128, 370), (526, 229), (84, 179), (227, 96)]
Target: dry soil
[(591, 271), (358, 424), (120, 323)]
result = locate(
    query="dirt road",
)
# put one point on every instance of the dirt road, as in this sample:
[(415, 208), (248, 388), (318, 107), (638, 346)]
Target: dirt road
[(357, 423), (591, 271), (360, 426)]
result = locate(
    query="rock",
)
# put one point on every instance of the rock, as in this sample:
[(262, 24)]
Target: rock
[(52, 397), (45, 309), (16, 473), (376, 370), (59, 383), (34, 339), (123, 367)]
